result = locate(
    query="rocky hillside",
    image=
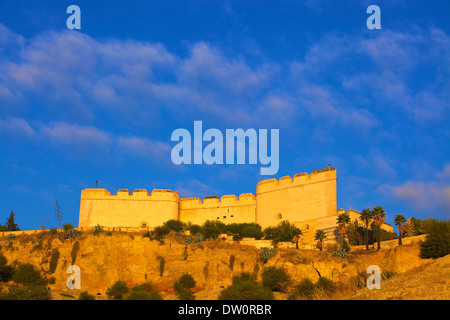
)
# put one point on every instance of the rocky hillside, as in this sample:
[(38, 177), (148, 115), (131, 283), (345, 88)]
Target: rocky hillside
[(431, 282), (135, 259)]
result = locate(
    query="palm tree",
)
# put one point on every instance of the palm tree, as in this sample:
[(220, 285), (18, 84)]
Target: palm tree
[(399, 220), (379, 218), (343, 219), (320, 236), (366, 216)]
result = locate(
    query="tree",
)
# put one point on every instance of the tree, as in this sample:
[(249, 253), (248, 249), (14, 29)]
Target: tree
[(366, 216), (399, 220), (27, 274), (10, 223), (245, 288), (275, 279), (319, 237), (343, 219), (437, 241), (117, 290), (378, 218), (283, 232), (183, 287), (58, 213)]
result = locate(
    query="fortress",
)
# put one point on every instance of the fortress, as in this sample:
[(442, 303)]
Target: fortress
[(307, 200)]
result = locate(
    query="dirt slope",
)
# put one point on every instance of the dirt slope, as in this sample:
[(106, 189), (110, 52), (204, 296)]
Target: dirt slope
[(431, 282)]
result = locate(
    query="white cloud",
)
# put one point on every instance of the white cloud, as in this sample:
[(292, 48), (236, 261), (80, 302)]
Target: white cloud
[(431, 195), (72, 134), (16, 126)]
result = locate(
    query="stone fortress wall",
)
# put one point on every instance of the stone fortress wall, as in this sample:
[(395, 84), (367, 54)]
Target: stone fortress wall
[(307, 200)]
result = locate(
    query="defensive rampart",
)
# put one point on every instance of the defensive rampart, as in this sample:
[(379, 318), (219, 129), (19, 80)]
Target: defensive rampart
[(140, 209), (304, 197)]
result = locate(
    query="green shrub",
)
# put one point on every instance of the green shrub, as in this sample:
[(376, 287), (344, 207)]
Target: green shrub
[(71, 234), (308, 290), (74, 252), (143, 291), (174, 225), (194, 229), (285, 231), (117, 290), (52, 280), (187, 240), (6, 273), (437, 241), (360, 280), (97, 230), (198, 238), (159, 232), (340, 253), (185, 282), (326, 285), (242, 289), (3, 260), (146, 234), (275, 279), (212, 229), (245, 230), (108, 233), (26, 274), (185, 295), (53, 232), (142, 295), (305, 289), (53, 261), (267, 253), (67, 227), (25, 293), (243, 276), (84, 295), (183, 287), (11, 237)]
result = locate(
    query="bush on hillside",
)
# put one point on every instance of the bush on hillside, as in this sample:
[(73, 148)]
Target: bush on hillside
[(25, 293), (143, 291), (183, 287), (84, 295), (306, 289), (275, 279), (174, 225), (285, 231), (26, 274), (245, 288), (437, 241), (117, 290)]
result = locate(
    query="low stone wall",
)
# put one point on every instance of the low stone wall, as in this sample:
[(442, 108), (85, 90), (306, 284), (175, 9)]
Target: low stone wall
[(391, 243)]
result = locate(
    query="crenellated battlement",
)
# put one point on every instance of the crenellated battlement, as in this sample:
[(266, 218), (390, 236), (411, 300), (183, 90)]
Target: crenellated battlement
[(303, 197), (299, 179), (214, 201), (125, 194)]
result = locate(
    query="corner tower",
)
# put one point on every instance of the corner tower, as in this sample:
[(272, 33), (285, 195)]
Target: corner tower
[(306, 197)]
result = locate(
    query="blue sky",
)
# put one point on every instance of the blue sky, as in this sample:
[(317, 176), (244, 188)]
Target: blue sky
[(101, 103)]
